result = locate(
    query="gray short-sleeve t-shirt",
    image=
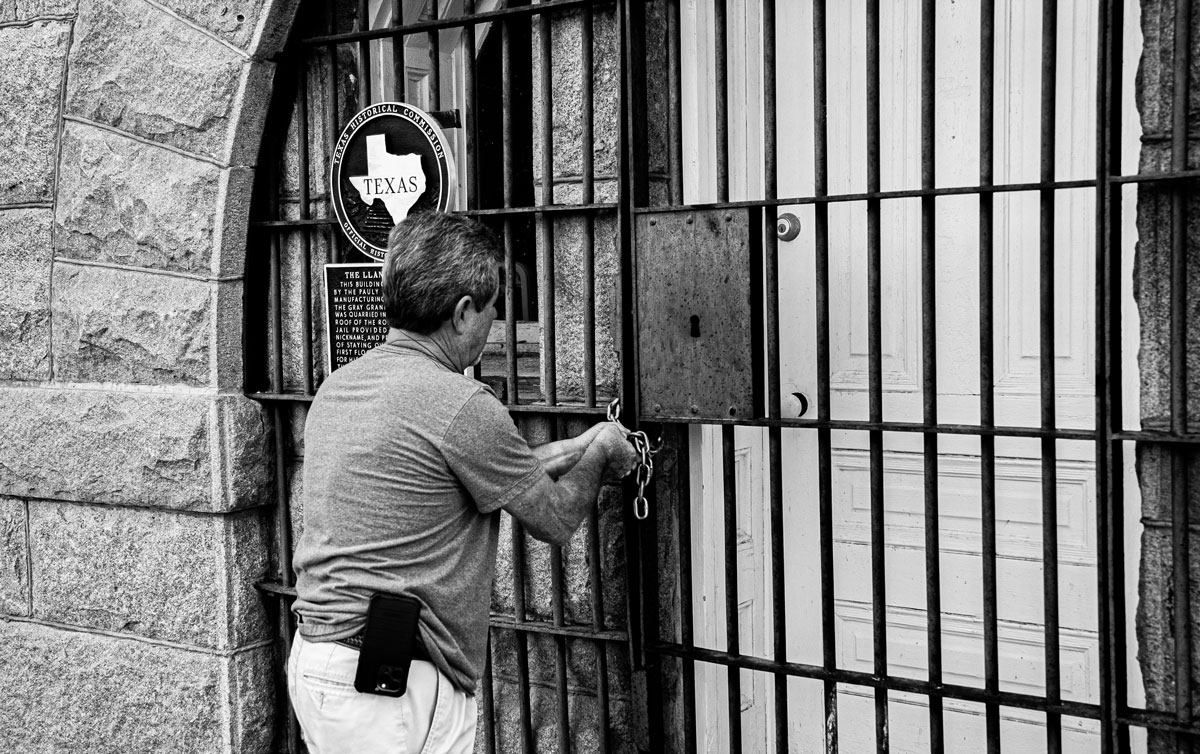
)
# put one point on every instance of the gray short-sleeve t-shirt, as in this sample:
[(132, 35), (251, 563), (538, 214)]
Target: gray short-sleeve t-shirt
[(405, 463)]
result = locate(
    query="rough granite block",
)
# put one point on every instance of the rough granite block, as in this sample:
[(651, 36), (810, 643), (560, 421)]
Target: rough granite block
[(146, 72), (227, 368), (252, 701), (130, 203), (233, 22), (158, 574), (68, 691), (31, 72), (25, 254), (25, 9), (185, 451), (131, 327), (14, 558), (258, 26)]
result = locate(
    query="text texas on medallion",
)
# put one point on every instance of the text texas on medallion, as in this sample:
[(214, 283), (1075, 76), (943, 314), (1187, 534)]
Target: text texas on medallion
[(390, 160)]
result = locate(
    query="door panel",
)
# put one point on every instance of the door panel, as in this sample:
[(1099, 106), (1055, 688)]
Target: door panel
[(1017, 370)]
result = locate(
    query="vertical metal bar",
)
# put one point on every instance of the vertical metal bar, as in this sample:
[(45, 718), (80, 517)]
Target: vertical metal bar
[(510, 268), (471, 98), (274, 302), (588, 169), (283, 532), (283, 536), (774, 434), (875, 380), (686, 628), (1109, 464), (522, 638), (1180, 585), (596, 585), (933, 567), (558, 617), (649, 556), (545, 221), (824, 394), (399, 66), (758, 296), (674, 105), (489, 702), (306, 350), (722, 99), (729, 464), (1046, 309), (364, 55), (1180, 513), (282, 516), (987, 395), (435, 61), (331, 124), (1179, 161), (636, 151), (633, 191)]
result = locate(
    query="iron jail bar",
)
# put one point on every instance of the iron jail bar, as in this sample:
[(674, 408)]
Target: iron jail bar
[(648, 642)]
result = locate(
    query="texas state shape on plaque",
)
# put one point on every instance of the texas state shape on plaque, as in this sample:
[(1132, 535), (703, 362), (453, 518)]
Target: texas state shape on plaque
[(397, 179)]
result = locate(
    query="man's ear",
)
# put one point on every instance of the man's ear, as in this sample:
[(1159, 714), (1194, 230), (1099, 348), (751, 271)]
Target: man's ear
[(459, 319)]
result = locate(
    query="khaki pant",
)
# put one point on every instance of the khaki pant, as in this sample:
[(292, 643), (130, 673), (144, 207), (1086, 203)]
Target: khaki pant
[(433, 717)]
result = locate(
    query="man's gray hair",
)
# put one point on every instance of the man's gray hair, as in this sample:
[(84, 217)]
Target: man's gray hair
[(433, 260)]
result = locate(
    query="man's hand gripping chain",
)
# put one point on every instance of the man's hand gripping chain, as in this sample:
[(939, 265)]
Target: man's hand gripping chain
[(645, 451)]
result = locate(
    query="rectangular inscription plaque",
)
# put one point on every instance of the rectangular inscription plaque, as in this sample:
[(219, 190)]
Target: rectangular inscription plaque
[(354, 317)]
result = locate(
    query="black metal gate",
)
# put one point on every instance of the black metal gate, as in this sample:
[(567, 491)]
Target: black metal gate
[(568, 120)]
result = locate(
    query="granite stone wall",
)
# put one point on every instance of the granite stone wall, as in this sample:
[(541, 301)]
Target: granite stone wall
[(133, 473), (1157, 589)]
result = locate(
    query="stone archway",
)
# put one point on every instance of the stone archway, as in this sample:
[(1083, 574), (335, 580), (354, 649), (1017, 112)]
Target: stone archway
[(132, 471)]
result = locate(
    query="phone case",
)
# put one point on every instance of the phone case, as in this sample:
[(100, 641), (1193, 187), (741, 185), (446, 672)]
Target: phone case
[(386, 652)]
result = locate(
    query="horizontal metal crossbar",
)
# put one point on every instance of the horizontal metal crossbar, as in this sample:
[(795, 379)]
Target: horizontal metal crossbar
[(869, 680), (550, 6), (1158, 437), (1145, 718), (276, 588), (281, 397), (550, 629), (533, 409), (887, 426), (917, 193), (553, 209)]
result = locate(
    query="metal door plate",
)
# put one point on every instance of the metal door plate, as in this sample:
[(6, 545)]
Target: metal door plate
[(696, 317)]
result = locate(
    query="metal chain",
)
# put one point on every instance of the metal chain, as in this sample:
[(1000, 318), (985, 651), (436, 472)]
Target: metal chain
[(645, 451)]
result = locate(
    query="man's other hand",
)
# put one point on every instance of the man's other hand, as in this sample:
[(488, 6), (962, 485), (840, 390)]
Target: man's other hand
[(619, 452)]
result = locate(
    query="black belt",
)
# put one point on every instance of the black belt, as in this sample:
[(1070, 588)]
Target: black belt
[(356, 642)]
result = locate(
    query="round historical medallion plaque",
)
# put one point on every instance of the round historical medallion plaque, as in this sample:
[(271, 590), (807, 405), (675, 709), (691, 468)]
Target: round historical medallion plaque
[(391, 160)]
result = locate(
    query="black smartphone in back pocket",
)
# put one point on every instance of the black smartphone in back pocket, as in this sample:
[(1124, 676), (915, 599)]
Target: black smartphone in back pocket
[(387, 646)]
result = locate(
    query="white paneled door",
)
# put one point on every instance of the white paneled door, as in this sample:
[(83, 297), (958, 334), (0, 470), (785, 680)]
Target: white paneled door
[(1019, 466)]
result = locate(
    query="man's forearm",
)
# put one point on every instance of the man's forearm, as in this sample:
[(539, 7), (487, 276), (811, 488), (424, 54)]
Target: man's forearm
[(576, 492), (561, 456), (552, 510)]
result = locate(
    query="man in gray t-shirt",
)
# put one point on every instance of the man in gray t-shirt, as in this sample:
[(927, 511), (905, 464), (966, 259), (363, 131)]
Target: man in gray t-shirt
[(407, 463)]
